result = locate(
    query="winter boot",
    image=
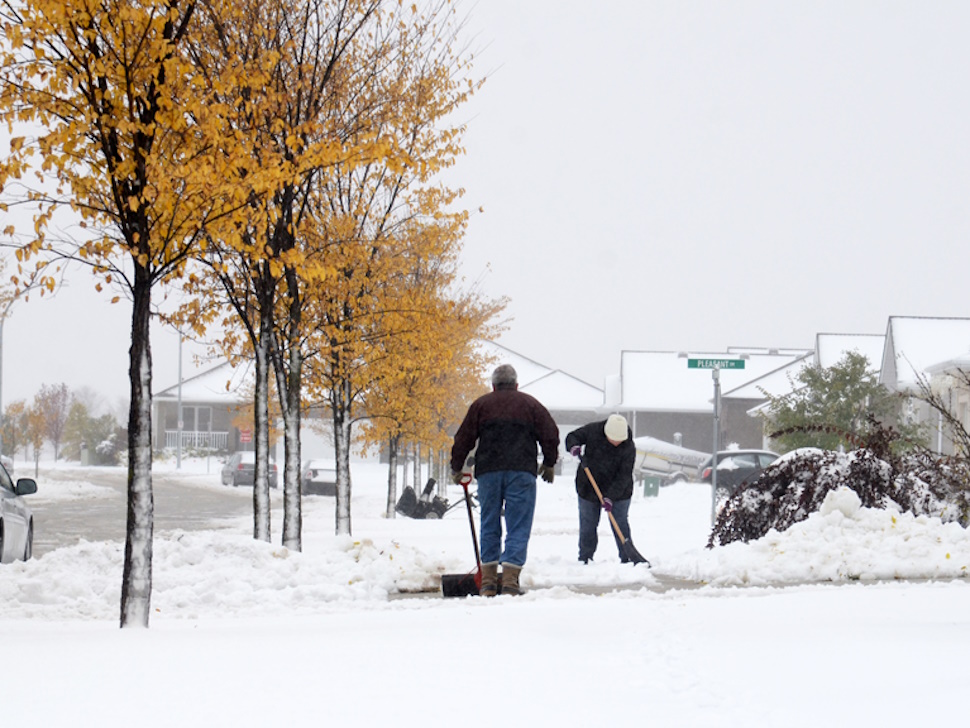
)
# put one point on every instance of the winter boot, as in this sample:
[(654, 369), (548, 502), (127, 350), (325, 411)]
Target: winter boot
[(510, 579), (489, 579)]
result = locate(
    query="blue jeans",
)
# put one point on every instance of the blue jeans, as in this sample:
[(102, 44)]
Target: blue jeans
[(589, 520), (516, 490)]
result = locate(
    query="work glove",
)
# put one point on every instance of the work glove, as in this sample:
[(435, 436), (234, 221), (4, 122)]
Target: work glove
[(456, 477), (546, 473), (575, 450), (607, 505)]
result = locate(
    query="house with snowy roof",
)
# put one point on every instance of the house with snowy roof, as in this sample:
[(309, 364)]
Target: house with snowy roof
[(663, 397), (571, 401), (829, 350), (210, 401), (916, 343), (924, 351)]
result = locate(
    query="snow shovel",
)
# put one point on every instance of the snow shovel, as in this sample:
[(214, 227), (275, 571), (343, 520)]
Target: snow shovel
[(628, 548), (465, 585)]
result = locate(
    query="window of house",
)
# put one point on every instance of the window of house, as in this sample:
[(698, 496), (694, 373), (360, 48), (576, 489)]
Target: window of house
[(196, 419)]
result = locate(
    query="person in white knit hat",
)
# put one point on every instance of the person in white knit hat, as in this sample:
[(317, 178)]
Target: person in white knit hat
[(606, 448)]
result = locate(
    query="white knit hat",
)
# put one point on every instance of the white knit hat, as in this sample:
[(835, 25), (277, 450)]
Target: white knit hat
[(616, 428)]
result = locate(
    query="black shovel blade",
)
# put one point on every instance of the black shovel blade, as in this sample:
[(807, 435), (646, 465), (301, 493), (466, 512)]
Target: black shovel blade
[(459, 585), (632, 554)]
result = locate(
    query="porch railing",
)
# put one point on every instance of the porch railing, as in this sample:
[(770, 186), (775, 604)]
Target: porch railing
[(195, 439)]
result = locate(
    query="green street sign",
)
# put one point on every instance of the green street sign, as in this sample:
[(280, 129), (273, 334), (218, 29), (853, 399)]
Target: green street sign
[(715, 363)]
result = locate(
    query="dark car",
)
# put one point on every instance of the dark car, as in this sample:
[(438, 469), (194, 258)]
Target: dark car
[(16, 520), (240, 469), (736, 467), (318, 477)]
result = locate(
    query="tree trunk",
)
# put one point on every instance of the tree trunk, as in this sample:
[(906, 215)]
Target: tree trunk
[(392, 449), (418, 482), (403, 457), (262, 530), (443, 474), (136, 585), (292, 498), (340, 404)]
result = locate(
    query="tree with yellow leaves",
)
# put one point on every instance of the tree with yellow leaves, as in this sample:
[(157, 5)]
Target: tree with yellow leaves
[(117, 131), (415, 77), (275, 113), (430, 368), (322, 59), (358, 93), (395, 344)]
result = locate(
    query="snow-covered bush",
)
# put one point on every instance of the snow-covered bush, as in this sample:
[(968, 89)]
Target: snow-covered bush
[(795, 486), (106, 451)]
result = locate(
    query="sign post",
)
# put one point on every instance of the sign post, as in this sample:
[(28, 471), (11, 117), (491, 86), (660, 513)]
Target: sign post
[(716, 365)]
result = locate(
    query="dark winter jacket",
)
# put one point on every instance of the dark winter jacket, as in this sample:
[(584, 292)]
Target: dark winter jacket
[(506, 423), (611, 466)]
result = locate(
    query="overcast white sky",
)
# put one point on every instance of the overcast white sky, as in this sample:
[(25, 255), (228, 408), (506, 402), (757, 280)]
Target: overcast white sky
[(669, 175)]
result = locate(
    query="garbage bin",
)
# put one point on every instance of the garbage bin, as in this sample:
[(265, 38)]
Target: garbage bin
[(651, 486)]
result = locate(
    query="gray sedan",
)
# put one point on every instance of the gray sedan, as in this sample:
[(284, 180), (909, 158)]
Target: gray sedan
[(240, 469), (16, 520)]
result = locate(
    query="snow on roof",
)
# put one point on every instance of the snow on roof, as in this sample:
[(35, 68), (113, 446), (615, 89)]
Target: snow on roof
[(554, 388), (527, 369), (916, 343), (660, 380), (222, 383), (831, 348), (774, 351), (775, 383), (560, 391), (961, 362)]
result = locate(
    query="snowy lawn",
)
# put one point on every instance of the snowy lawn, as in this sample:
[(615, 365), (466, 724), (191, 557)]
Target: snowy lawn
[(803, 628)]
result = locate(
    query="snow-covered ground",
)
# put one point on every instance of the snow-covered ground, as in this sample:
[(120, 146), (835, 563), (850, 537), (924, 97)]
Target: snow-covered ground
[(813, 626)]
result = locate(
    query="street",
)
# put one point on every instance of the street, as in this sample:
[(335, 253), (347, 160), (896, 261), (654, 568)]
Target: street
[(178, 505)]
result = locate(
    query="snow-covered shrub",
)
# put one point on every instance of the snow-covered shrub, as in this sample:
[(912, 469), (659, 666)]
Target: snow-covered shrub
[(107, 450), (934, 485), (794, 487)]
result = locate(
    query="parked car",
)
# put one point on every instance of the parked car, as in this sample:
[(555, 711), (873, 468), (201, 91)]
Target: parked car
[(666, 462), (16, 520), (736, 467), (318, 477), (240, 469)]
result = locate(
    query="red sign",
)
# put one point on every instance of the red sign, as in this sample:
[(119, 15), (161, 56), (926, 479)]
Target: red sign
[(245, 435)]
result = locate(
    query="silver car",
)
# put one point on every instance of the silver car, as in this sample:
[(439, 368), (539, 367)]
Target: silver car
[(16, 520), (318, 477)]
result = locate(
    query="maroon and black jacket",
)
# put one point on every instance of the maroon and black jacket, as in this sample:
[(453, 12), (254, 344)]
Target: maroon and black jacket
[(506, 424)]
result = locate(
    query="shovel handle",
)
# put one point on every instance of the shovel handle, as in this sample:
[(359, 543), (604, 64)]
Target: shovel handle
[(628, 548), (599, 494)]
